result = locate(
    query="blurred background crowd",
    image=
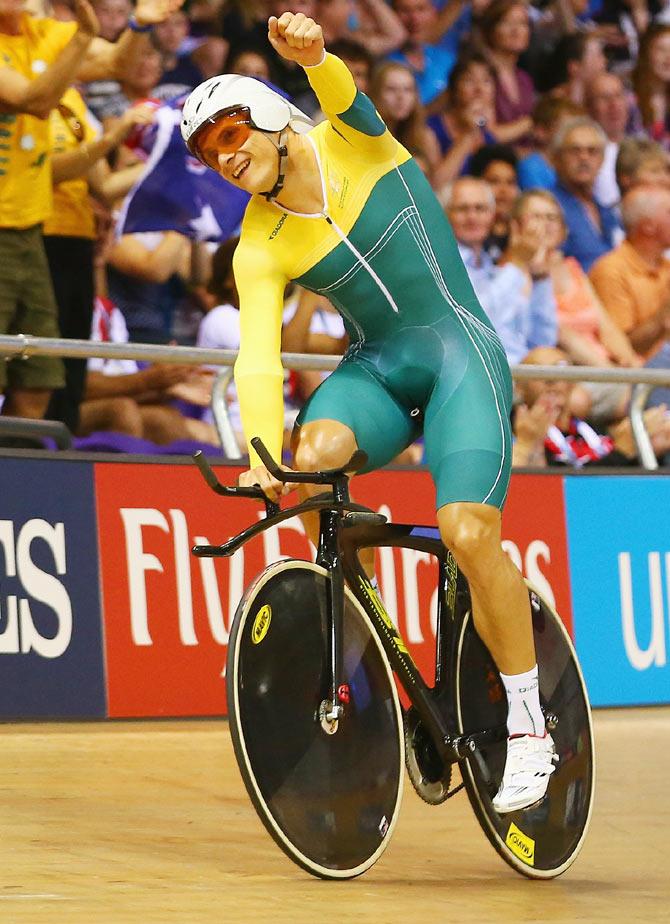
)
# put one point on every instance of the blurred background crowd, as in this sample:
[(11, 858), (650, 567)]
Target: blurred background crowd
[(544, 129)]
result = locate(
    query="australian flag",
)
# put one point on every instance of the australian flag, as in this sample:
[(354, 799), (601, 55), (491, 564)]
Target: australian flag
[(176, 192)]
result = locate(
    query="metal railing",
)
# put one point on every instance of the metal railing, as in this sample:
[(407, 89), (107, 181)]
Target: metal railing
[(23, 345)]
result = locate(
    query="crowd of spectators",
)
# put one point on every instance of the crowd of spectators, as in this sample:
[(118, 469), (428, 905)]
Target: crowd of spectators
[(543, 128)]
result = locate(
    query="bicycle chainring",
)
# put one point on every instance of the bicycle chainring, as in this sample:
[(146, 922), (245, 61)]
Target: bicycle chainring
[(430, 778)]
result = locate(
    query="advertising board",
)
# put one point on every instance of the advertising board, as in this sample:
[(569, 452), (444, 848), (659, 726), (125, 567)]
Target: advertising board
[(103, 609), (50, 621), (619, 545), (168, 614)]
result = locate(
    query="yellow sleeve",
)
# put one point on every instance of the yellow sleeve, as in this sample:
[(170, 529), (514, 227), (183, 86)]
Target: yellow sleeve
[(259, 375), (56, 33), (349, 111)]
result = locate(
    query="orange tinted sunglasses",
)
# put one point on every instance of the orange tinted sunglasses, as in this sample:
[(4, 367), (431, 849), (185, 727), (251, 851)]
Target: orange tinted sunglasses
[(225, 135)]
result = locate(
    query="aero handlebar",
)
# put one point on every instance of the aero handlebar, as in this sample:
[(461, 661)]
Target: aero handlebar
[(330, 476), (254, 492)]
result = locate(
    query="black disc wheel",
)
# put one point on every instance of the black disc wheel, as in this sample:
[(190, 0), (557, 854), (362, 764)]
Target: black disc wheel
[(543, 840), (329, 793)]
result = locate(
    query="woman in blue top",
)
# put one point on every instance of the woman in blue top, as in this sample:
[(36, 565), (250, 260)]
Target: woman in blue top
[(468, 120)]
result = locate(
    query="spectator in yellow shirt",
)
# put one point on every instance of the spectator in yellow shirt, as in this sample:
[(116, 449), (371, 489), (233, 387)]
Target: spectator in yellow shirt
[(79, 168), (39, 59)]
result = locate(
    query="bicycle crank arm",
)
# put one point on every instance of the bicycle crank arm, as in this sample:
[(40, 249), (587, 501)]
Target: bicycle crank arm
[(464, 745)]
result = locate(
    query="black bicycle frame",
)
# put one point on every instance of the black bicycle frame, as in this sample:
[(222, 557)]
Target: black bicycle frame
[(345, 528), (452, 604)]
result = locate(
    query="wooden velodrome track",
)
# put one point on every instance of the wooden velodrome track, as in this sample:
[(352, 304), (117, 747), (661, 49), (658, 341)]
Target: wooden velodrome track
[(149, 822)]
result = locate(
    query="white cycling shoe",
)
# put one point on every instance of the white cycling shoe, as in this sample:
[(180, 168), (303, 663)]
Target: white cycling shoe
[(530, 762)]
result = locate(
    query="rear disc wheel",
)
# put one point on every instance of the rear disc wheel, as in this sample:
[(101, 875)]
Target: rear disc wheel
[(543, 840)]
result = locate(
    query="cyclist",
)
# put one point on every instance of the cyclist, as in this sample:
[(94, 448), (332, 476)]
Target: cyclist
[(342, 209)]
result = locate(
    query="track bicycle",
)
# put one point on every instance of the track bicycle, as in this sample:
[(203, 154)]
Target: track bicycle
[(317, 727)]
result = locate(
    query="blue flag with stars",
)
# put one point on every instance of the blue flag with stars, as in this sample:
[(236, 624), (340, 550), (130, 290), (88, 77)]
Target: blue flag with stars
[(178, 193)]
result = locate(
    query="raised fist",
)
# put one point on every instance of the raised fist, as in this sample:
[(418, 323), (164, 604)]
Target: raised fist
[(296, 37)]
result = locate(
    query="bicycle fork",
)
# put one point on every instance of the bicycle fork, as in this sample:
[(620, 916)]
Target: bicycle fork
[(331, 708)]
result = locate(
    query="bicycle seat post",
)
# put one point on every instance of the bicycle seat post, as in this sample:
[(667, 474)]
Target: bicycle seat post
[(341, 489)]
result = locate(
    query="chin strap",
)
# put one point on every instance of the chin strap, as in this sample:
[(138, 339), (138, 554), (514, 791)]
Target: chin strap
[(282, 150)]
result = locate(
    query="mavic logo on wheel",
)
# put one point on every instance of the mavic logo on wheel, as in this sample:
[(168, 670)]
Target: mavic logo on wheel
[(521, 845), (261, 624)]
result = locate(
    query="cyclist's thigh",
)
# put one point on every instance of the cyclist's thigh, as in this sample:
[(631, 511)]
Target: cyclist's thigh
[(355, 397), (467, 430)]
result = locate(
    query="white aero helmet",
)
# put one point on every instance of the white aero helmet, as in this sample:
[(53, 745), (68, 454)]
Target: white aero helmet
[(269, 112)]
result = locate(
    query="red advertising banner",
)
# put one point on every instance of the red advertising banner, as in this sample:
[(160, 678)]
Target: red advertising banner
[(535, 537), (167, 615)]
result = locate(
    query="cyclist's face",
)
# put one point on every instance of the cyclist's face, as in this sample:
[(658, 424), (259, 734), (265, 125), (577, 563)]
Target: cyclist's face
[(253, 166), (224, 136), (243, 156)]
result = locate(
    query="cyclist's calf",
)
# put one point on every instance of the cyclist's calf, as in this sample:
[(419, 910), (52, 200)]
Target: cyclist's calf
[(500, 605)]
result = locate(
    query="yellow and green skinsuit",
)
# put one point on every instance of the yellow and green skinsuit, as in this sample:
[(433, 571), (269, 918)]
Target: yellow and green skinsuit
[(423, 354)]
